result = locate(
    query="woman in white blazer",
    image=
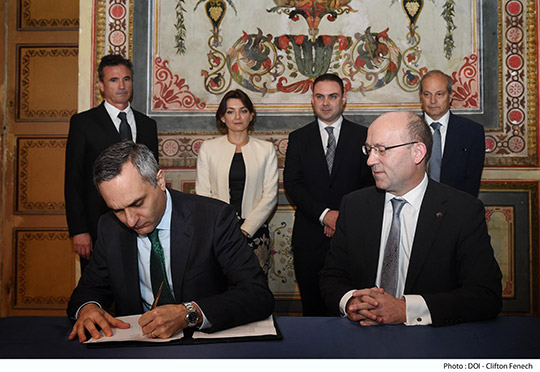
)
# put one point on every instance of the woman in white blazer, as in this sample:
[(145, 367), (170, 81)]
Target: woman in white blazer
[(241, 170)]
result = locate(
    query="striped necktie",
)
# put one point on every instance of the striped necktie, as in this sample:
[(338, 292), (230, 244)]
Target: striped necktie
[(436, 153), (390, 267), (331, 148)]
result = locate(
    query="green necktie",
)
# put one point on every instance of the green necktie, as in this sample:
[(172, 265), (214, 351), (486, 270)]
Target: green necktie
[(158, 274)]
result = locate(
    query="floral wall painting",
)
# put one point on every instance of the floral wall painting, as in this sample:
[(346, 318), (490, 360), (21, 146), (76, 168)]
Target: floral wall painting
[(274, 49), (188, 53)]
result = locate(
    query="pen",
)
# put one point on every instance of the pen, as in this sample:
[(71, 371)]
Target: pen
[(154, 305)]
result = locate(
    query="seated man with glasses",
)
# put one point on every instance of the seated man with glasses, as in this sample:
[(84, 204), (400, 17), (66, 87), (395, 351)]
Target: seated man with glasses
[(409, 250)]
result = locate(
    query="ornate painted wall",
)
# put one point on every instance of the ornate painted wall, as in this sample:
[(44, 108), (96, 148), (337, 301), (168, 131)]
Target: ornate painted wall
[(188, 52)]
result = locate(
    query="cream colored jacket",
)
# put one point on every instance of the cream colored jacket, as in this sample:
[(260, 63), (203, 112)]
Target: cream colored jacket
[(261, 187)]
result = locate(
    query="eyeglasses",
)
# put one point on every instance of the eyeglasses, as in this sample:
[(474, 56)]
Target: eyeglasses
[(380, 149)]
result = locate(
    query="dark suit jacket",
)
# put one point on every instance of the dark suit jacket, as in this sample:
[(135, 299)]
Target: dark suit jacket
[(309, 185), (210, 264), (91, 132), (451, 265), (464, 153)]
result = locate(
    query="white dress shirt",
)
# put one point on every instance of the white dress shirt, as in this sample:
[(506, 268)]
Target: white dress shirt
[(416, 307), (443, 128), (113, 113), (324, 134), (324, 139), (144, 247)]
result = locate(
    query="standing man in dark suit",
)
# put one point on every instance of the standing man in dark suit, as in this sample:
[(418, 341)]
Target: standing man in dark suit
[(410, 250), (90, 133), (185, 250), (458, 143), (324, 162)]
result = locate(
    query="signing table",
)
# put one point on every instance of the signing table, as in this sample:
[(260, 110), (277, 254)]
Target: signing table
[(504, 337)]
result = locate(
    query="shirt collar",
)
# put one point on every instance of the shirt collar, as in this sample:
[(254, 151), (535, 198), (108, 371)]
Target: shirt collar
[(336, 124), (114, 111), (165, 223), (443, 120), (413, 197)]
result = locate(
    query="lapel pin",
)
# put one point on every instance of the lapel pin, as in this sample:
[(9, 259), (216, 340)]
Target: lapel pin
[(439, 214)]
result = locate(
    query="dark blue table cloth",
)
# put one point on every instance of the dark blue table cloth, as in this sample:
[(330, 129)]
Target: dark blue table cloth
[(505, 337)]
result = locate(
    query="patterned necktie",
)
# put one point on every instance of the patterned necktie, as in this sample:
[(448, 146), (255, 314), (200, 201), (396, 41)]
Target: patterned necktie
[(390, 267), (158, 273), (436, 153), (331, 148), (125, 129)]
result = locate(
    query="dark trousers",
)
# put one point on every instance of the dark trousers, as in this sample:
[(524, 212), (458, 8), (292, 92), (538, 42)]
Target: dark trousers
[(84, 263), (308, 261)]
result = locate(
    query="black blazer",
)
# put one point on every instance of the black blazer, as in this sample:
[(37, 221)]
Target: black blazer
[(91, 132), (464, 153), (211, 264), (452, 263), (309, 185)]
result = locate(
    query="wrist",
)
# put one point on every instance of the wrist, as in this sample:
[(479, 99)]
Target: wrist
[(193, 315), (403, 310), (87, 307)]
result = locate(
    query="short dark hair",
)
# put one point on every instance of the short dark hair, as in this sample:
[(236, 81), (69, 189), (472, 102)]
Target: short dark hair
[(110, 162), (113, 60), (330, 77), (418, 130), (222, 109), (437, 72)]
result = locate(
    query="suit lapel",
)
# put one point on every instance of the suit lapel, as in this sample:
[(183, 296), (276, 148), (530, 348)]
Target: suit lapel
[(451, 142), (315, 143), (105, 121), (181, 242), (343, 145), (431, 216), (139, 118), (129, 255), (372, 233)]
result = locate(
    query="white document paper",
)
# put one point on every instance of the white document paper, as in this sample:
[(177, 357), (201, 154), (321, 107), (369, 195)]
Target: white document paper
[(261, 328), (133, 333)]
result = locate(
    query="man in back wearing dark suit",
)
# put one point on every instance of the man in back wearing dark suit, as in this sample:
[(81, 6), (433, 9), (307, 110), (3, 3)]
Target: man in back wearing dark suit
[(324, 161), (185, 253), (410, 250), (91, 132), (458, 143)]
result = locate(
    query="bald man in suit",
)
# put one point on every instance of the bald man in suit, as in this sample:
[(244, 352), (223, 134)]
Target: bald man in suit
[(410, 250)]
